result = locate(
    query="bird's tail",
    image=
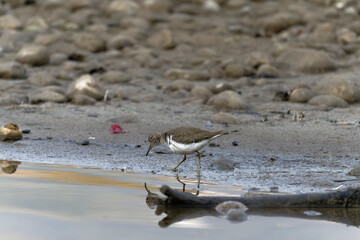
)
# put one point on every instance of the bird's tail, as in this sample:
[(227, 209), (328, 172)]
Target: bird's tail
[(234, 131)]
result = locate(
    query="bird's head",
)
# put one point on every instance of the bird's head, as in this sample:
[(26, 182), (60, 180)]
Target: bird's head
[(154, 140)]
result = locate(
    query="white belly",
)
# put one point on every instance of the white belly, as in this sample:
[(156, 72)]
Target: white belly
[(181, 148)]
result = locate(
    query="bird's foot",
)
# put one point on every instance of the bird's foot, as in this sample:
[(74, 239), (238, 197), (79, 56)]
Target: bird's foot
[(174, 169)]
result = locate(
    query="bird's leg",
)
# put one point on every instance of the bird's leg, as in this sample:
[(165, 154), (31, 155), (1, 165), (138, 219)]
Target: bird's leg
[(198, 184), (174, 168), (199, 156), (177, 178)]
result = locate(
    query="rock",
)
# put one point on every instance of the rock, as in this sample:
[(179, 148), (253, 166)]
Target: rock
[(47, 96), (9, 22), (211, 6), (179, 84), (81, 99), (57, 59), (224, 207), (227, 100), (323, 33), (86, 85), (74, 5), (8, 99), (278, 22), (355, 26), (163, 39), (192, 75), (10, 132), (36, 23), (267, 71), (343, 86), (158, 6), (223, 117), (34, 55), (328, 100), (346, 36), (355, 171), (256, 59), (305, 60), (220, 87), (119, 42), (235, 70), (236, 215), (90, 42), (41, 79), (200, 92), (301, 95), (12, 70), (223, 164), (115, 77), (125, 7)]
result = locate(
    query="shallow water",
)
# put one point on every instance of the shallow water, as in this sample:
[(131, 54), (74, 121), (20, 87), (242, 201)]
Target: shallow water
[(51, 202)]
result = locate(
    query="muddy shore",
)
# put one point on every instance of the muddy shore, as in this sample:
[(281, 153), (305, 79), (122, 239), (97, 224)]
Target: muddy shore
[(285, 74)]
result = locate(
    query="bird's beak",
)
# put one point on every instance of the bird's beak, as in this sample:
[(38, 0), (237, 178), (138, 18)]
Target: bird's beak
[(150, 147)]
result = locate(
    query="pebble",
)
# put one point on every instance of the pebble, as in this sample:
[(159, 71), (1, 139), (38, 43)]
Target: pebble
[(256, 59), (267, 71), (9, 21), (157, 6), (201, 92), (90, 42), (115, 77), (192, 75), (222, 117), (34, 55), (343, 86), (163, 39), (47, 96), (323, 33), (12, 70), (9, 98), (224, 164), (235, 70), (120, 42), (125, 7), (81, 99), (224, 207), (57, 59), (235, 143), (179, 84), (301, 95), (227, 100), (305, 60), (329, 101), (86, 85), (280, 21), (220, 87), (85, 142), (41, 79)]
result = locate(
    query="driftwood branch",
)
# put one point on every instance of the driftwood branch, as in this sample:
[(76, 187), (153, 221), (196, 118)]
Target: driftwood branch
[(336, 206), (349, 198)]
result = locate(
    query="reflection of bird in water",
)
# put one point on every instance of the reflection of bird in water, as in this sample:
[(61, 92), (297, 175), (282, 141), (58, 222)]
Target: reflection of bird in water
[(9, 167)]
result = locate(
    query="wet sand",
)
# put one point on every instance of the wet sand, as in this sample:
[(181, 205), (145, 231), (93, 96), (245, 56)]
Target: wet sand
[(51, 202), (310, 155)]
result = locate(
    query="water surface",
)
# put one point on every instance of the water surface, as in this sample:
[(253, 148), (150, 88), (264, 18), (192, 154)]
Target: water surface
[(40, 201)]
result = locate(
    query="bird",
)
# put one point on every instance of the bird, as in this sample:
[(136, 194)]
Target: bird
[(184, 140)]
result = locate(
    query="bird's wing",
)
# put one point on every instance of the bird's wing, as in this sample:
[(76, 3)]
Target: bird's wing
[(190, 134)]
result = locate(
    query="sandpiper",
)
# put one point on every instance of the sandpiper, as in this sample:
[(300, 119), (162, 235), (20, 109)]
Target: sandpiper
[(184, 140)]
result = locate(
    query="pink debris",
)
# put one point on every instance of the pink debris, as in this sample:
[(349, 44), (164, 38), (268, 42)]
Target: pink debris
[(117, 129)]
